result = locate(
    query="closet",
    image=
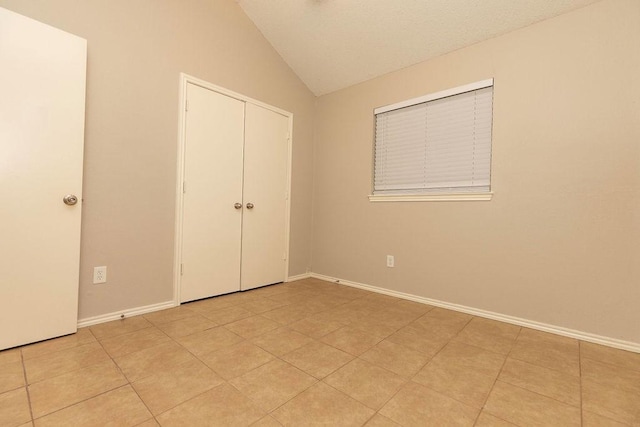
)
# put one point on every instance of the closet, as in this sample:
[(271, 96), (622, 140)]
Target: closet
[(234, 194)]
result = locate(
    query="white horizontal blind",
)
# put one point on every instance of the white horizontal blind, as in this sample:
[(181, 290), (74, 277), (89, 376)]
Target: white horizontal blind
[(443, 145)]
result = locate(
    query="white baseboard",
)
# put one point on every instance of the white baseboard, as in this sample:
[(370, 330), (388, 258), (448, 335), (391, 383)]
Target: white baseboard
[(89, 321), (298, 277), (558, 330)]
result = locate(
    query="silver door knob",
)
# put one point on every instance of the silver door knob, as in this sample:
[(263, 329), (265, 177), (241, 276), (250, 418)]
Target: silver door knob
[(249, 205), (70, 199), (238, 206)]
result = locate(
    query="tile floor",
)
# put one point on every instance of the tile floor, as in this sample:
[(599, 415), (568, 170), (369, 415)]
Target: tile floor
[(316, 353)]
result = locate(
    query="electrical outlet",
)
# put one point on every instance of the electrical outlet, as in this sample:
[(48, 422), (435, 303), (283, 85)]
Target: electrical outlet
[(391, 261), (99, 275)]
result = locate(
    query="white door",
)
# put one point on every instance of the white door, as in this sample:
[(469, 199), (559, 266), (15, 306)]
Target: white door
[(266, 150), (42, 97), (212, 187)]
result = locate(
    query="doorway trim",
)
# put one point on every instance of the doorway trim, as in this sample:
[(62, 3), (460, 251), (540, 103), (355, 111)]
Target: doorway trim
[(185, 79)]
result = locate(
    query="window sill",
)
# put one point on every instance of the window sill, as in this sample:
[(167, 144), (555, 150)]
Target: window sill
[(436, 197)]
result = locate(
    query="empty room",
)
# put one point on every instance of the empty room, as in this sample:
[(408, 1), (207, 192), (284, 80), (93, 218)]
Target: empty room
[(320, 212)]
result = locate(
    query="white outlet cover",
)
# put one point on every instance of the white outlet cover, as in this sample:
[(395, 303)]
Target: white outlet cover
[(99, 275)]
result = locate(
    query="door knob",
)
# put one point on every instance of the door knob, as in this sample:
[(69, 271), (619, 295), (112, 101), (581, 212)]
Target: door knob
[(249, 205), (70, 199), (238, 206)]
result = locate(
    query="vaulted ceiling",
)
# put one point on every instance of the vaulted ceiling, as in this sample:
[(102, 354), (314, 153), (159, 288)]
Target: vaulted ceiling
[(333, 44)]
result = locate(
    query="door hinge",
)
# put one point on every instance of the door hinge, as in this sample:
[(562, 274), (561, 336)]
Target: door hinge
[(186, 105), (284, 256), (184, 187), (181, 269), (288, 136)]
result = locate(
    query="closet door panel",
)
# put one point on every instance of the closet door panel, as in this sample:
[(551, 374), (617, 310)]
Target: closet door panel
[(211, 234), (265, 187)]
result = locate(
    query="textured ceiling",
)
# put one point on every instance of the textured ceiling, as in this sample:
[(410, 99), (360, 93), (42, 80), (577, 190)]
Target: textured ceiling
[(333, 44)]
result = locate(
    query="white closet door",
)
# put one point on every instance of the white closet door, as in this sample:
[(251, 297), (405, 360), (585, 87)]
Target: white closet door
[(211, 234), (265, 186), (42, 96)]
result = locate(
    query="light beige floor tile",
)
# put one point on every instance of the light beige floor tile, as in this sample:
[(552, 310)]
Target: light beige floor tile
[(396, 358), (11, 376), (351, 340), (525, 408), (366, 382), (14, 407), (318, 359), (267, 291), (220, 406), (293, 297), (261, 305), (491, 335), (316, 326), (147, 362), (322, 405), (549, 351), (550, 383), (29, 424), (287, 314), (236, 360), (120, 407), (60, 362), (590, 419), (238, 298), (381, 421), (149, 423), (378, 328), (119, 327), (613, 376), (281, 341), (380, 299), (413, 307), (617, 404), (271, 385), (209, 340), (134, 341), (208, 304), (612, 356), (252, 326), (227, 315), (83, 336), (267, 421), (65, 390), (488, 420), (415, 405), (428, 342), (169, 388), (445, 322), (462, 372), (169, 315), (187, 326), (10, 356)]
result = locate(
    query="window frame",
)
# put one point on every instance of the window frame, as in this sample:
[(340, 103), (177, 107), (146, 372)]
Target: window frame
[(431, 195)]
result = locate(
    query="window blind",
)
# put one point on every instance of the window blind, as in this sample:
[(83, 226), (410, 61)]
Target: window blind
[(439, 145)]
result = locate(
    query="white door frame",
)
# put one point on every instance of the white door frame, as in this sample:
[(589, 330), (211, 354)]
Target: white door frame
[(177, 253)]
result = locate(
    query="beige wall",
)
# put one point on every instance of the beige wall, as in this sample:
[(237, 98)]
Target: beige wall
[(136, 50), (559, 242)]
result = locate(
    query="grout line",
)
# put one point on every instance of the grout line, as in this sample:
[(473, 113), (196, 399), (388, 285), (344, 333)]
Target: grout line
[(26, 386)]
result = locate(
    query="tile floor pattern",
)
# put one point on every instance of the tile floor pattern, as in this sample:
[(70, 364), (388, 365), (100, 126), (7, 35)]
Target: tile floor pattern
[(316, 353)]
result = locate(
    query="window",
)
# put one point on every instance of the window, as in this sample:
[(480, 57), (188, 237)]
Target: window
[(436, 147)]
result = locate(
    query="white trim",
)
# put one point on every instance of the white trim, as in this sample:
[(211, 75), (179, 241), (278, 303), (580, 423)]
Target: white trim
[(435, 197), (89, 321), (433, 96), (177, 251), (298, 277), (545, 327)]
